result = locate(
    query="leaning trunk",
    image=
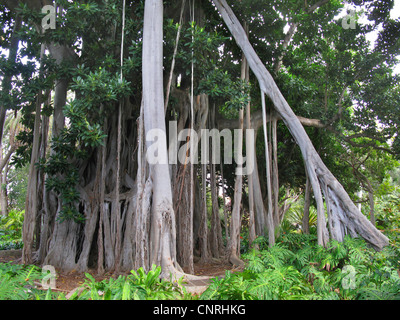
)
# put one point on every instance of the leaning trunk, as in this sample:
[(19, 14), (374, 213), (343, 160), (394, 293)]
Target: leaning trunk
[(345, 217)]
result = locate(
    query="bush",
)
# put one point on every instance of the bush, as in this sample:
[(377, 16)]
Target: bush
[(11, 226), (11, 245), (139, 285), (17, 283), (297, 268), (387, 209)]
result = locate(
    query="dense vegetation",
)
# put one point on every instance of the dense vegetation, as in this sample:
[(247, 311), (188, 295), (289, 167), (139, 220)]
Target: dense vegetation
[(318, 218), (294, 268)]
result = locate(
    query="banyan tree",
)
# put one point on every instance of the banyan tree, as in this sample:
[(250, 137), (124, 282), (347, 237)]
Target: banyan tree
[(139, 103)]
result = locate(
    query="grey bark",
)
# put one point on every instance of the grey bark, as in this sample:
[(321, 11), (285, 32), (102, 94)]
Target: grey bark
[(31, 203), (270, 218), (163, 231), (6, 82), (306, 212)]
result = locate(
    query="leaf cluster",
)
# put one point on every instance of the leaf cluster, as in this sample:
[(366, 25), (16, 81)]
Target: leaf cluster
[(297, 268), (11, 225), (17, 282), (139, 285)]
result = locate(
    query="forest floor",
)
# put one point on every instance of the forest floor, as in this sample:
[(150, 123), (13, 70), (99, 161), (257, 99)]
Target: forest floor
[(68, 281)]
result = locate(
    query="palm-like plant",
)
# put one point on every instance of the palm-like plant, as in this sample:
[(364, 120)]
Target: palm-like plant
[(293, 220)]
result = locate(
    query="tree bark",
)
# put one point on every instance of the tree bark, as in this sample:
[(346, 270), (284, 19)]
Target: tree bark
[(163, 231), (347, 218), (306, 212), (234, 246), (270, 218), (6, 82), (31, 203)]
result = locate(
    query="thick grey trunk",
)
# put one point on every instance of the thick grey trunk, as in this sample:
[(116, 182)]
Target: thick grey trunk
[(6, 82)]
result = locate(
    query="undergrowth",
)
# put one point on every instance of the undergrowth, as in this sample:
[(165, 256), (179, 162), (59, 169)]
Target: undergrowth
[(17, 282), (139, 285), (294, 268), (297, 268)]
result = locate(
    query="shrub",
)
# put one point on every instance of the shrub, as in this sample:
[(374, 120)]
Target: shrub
[(139, 285), (11, 225), (297, 268), (17, 282)]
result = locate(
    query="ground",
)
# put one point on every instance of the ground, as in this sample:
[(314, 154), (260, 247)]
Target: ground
[(68, 281)]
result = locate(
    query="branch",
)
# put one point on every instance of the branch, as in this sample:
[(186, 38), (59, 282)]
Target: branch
[(256, 121), (292, 30), (6, 158), (317, 5)]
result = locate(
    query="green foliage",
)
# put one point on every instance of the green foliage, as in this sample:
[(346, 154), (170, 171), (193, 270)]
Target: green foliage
[(11, 226), (297, 268), (17, 282), (293, 219), (218, 84), (84, 133), (387, 208), (16, 188), (139, 285)]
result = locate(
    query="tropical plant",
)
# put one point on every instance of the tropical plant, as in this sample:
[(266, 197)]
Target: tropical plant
[(293, 220), (11, 225), (17, 282), (139, 285), (297, 268)]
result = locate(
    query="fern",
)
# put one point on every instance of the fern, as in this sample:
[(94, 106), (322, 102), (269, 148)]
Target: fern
[(231, 287), (254, 262), (276, 256), (17, 282)]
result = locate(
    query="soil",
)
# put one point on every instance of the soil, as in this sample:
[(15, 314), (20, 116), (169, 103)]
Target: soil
[(68, 281)]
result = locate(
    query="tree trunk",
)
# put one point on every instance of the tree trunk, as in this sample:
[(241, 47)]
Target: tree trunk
[(234, 246), (216, 244), (347, 219), (306, 212), (31, 203), (6, 81), (261, 221), (3, 191), (275, 172), (270, 218), (163, 232)]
